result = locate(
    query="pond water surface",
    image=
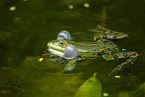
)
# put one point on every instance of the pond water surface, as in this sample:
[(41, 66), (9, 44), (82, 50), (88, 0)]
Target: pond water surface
[(27, 26)]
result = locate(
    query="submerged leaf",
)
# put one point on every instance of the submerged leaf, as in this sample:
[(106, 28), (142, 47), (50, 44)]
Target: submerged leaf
[(91, 88)]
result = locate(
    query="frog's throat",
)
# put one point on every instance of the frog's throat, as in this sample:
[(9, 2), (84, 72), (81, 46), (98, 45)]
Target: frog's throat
[(55, 52)]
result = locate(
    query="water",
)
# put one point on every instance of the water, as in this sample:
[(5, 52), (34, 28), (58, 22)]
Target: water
[(26, 31)]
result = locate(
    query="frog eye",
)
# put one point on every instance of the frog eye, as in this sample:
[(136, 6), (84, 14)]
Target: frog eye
[(62, 43)]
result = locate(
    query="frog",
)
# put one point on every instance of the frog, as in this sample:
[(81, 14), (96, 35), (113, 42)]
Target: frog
[(102, 46)]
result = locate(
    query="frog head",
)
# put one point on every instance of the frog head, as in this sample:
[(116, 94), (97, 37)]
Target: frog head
[(57, 47), (62, 48)]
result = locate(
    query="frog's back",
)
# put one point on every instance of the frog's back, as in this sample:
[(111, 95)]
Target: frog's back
[(93, 46)]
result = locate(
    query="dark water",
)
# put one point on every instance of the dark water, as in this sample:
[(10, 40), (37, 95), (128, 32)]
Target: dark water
[(25, 32)]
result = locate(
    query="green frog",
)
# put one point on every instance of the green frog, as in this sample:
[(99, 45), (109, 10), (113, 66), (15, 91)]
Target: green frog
[(71, 51)]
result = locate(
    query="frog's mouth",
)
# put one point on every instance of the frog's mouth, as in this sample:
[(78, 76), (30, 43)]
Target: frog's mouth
[(55, 52)]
